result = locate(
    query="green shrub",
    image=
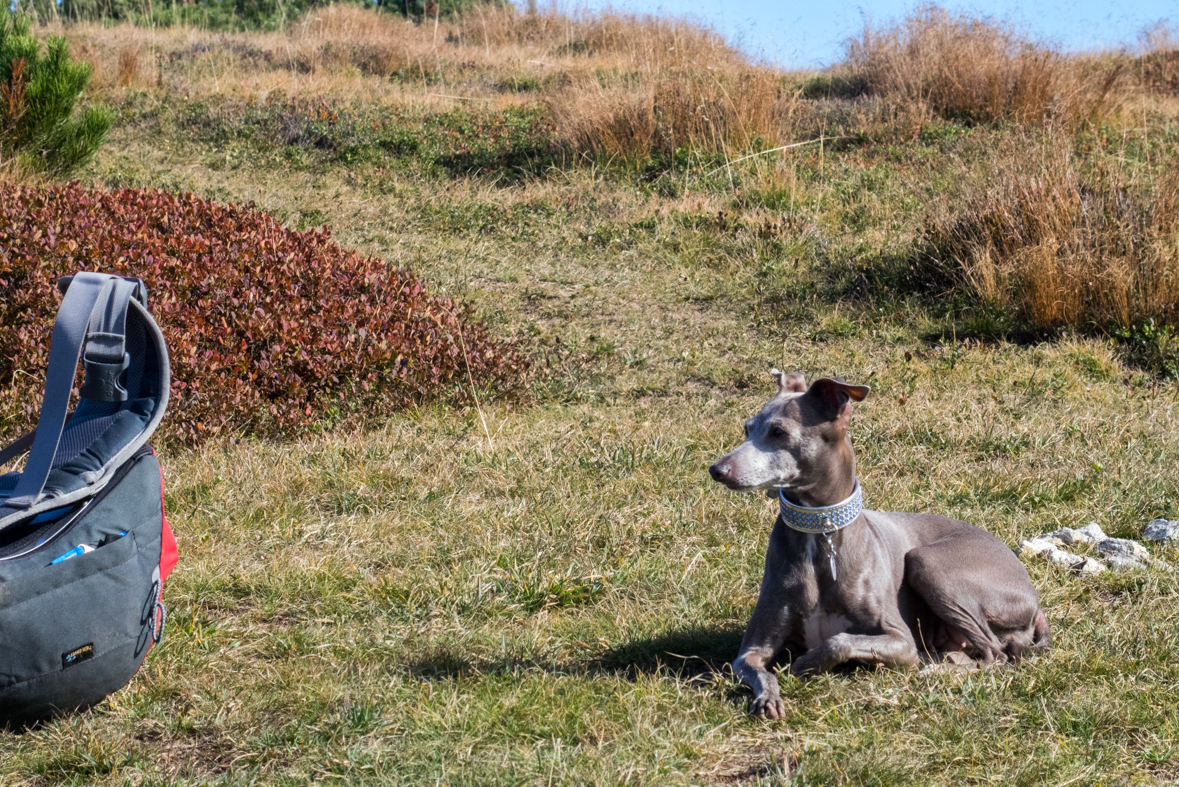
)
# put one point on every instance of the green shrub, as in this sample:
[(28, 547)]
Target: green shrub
[(38, 93), (269, 330)]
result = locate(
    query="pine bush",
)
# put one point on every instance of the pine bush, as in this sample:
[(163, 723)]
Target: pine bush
[(38, 94)]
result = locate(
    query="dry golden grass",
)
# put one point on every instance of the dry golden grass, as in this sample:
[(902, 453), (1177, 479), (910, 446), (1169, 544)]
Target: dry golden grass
[(128, 72), (616, 85), (939, 63), (1163, 36), (18, 172), (340, 38), (1066, 240), (645, 42), (1157, 64), (655, 83), (669, 110)]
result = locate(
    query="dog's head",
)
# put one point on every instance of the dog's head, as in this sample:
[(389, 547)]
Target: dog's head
[(797, 442)]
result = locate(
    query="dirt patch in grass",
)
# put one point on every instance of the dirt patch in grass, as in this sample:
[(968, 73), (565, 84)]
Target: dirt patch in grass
[(751, 764)]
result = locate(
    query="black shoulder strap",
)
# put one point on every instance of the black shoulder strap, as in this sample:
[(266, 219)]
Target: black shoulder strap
[(17, 447)]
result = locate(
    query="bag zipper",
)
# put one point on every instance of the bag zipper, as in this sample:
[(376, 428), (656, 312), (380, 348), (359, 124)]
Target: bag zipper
[(69, 520)]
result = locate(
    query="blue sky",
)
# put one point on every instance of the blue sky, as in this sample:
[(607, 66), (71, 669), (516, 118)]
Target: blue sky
[(810, 33)]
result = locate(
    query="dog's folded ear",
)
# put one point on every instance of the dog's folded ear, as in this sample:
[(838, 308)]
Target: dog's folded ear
[(789, 383), (835, 393)]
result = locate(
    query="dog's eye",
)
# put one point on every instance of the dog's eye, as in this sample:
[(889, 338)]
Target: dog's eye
[(777, 431)]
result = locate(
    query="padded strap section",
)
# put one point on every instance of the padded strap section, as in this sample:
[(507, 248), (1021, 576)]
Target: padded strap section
[(82, 301), (75, 474)]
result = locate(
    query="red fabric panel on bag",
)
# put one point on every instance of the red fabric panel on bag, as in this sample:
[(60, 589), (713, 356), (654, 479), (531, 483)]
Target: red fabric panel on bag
[(169, 554)]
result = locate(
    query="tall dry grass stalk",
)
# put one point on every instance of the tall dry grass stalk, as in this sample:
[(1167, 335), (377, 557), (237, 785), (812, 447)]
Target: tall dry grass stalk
[(128, 72), (1067, 241), (939, 63)]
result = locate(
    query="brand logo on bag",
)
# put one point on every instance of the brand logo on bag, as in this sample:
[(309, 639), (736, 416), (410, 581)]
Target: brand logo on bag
[(77, 655)]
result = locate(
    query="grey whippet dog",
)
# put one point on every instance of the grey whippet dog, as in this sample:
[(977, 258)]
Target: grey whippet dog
[(843, 584)]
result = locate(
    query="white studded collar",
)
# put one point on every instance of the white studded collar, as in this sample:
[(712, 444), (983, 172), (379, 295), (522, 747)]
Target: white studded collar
[(823, 520)]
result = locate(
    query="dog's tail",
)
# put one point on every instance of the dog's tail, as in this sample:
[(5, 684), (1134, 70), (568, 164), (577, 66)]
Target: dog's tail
[(1041, 635)]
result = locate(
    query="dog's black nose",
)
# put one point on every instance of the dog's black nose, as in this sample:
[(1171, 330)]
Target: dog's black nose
[(718, 472)]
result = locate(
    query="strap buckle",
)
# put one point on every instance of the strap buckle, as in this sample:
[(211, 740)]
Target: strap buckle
[(104, 381)]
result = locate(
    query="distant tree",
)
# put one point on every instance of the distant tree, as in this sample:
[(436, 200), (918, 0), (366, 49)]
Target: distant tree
[(232, 14), (38, 94)]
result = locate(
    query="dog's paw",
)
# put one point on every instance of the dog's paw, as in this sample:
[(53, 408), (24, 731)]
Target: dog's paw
[(768, 706)]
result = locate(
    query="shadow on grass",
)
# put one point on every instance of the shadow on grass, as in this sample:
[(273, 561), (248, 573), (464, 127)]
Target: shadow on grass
[(687, 654)]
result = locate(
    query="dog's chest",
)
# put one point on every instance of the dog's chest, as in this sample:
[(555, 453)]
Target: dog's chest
[(819, 626)]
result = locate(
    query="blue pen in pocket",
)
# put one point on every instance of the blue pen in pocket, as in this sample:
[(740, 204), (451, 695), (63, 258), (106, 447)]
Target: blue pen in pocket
[(82, 549)]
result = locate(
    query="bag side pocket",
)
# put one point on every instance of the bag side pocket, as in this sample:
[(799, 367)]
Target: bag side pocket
[(69, 632)]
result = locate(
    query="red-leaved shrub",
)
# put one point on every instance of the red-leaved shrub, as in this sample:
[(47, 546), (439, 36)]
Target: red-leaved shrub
[(268, 329)]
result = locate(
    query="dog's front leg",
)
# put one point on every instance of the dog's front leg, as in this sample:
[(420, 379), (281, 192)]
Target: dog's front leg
[(894, 649), (768, 629), (750, 667)]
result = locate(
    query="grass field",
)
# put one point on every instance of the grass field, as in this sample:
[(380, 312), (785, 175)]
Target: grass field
[(548, 591)]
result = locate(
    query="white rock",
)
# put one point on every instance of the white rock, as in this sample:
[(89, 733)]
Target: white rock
[(1162, 530), (1124, 548), (1093, 531), (1087, 566), (1058, 557), (1066, 535), (1034, 546), (1123, 562)]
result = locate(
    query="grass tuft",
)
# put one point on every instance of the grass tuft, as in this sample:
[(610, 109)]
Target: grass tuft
[(1067, 239), (961, 67)]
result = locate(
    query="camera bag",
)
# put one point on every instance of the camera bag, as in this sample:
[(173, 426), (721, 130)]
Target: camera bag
[(84, 543)]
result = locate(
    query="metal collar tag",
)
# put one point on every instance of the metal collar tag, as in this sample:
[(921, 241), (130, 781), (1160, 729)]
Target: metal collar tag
[(822, 521)]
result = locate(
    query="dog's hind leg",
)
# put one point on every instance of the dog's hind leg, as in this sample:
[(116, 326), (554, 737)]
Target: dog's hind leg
[(977, 589), (1041, 634), (1034, 638), (895, 649)]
